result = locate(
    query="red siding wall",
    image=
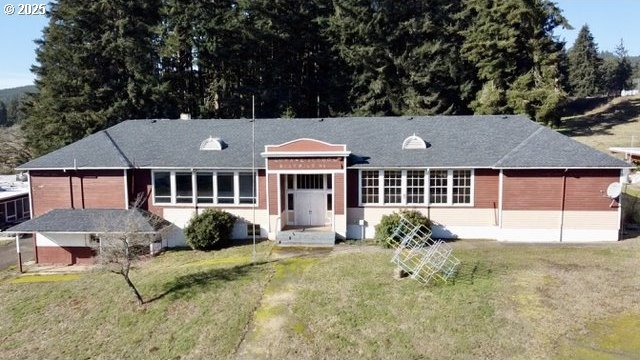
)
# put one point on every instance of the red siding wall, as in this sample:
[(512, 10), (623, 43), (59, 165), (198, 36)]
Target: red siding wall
[(76, 189), (65, 255), (542, 189), (487, 188), (273, 194), (140, 184), (587, 189), (339, 194)]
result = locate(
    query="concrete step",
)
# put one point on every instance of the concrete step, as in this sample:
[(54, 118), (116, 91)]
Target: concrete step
[(306, 238)]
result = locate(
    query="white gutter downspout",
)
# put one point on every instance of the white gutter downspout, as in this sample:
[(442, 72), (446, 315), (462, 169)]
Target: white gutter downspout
[(126, 190), (564, 192), (500, 196)]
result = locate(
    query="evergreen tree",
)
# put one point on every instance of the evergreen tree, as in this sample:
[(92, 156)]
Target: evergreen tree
[(620, 78), (585, 77), (518, 60), (3, 115), (97, 66)]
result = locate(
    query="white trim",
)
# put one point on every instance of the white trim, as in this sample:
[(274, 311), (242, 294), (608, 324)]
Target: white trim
[(564, 167), (73, 232), (126, 190), (286, 154), (30, 196), (305, 139), (76, 168), (194, 189), (311, 171), (427, 199)]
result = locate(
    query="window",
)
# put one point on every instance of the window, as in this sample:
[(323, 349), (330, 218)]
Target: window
[(393, 187), (415, 186), (2, 219), (329, 181), (461, 189), (11, 211), (26, 207), (411, 187), (247, 190), (369, 185), (310, 182), (225, 188), (289, 181), (438, 186), (162, 187), (290, 201), (329, 202), (19, 212), (184, 188), (204, 183)]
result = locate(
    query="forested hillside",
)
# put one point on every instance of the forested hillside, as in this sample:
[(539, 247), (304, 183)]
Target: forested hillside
[(11, 103), (104, 61)]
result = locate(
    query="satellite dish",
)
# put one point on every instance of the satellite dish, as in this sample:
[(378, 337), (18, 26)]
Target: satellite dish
[(614, 190)]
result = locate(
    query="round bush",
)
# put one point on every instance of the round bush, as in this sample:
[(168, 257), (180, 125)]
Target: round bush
[(389, 222), (209, 230)]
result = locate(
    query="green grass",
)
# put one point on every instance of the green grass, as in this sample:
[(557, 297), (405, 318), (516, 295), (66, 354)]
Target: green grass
[(507, 301), (30, 278)]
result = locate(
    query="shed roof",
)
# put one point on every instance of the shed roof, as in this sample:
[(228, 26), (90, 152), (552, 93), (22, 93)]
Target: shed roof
[(92, 221), (492, 141)]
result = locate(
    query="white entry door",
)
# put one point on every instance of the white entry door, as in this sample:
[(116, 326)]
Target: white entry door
[(309, 208)]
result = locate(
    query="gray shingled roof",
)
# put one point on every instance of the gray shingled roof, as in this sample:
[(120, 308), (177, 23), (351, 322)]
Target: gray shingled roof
[(91, 221), (453, 141)]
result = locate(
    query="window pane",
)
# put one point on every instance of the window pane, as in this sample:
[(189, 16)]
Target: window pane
[(310, 181), (11, 209), (205, 187), (25, 205), (438, 186), (415, 186), (329, 181), (392, 187), (289, 181), (461, 187), (246, 188), (184, 188), (329, 202), (162, 187), (369, 186), (19, 208), (225, 188), (290, 201)]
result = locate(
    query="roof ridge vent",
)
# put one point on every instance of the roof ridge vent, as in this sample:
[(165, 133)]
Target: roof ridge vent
[(414, 142), (212, 143)]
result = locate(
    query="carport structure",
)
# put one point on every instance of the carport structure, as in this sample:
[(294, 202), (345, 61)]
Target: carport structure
[(70, 236)]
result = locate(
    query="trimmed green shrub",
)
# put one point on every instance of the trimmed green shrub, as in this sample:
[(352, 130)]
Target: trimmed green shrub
[(389, 222), (210, 229)]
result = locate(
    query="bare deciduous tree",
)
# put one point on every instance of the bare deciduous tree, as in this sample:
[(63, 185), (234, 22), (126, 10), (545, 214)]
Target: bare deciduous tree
[(118, 248), (13, 150)]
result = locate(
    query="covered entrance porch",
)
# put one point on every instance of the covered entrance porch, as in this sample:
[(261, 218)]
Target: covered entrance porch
[(306, 182)]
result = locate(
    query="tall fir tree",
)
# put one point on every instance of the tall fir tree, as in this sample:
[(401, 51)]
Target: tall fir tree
[(97, 66), (585, 76), (512, 46), (3, 115)]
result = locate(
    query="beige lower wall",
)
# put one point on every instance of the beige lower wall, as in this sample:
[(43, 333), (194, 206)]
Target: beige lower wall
[(550, 219), (517, 225), (181, 216)]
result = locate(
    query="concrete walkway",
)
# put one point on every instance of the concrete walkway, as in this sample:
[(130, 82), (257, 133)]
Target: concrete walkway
[(8, 255)]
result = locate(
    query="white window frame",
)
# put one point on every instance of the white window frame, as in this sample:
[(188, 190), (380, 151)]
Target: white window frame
[(427, 190), (236, 188)]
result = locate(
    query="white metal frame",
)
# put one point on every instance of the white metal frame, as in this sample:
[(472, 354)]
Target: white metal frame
[(194, 201), (427, 190)]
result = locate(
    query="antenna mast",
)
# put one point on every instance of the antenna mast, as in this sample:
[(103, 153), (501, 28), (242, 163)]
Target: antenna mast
[(253, 172)]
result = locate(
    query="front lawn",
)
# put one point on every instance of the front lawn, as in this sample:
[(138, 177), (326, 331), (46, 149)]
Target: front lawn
[(508, 301)]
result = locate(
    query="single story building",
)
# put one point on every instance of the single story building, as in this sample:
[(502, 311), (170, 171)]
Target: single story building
[(495, 177), (14, 201)]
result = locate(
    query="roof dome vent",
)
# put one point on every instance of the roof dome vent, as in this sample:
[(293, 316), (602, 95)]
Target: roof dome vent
[(212, 144), (414, 142)]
